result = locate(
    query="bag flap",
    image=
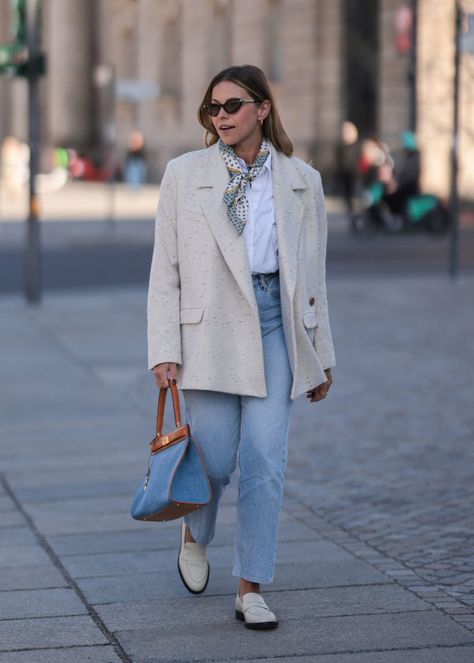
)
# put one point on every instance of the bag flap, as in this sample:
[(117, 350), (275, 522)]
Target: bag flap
[(161, 441)]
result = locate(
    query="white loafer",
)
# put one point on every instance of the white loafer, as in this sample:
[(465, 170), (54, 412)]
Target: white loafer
[(193, 566), (253, 610)]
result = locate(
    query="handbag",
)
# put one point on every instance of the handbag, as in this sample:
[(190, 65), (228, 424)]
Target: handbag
[(176, 480)]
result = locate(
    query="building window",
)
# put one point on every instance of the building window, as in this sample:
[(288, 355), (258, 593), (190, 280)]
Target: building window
[(127, 54), (273, 45), (220, 54), (171, 56)]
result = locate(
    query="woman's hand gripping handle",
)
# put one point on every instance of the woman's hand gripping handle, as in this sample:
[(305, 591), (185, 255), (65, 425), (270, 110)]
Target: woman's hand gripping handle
[(162, 372)]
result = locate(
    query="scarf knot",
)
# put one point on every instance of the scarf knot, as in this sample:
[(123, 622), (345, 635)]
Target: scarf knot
[(234, 194)]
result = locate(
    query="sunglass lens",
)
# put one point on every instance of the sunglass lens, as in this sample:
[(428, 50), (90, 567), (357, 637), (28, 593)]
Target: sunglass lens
[(232, 105), (213, 109)]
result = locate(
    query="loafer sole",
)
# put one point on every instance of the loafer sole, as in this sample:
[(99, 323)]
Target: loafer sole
[(257, 626), (193, 591)]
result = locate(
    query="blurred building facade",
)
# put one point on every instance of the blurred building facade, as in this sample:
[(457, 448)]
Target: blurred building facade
[(327, 62)]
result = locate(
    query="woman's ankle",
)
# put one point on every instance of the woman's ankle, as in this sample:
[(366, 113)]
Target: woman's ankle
[(188, 537), (246, 586)]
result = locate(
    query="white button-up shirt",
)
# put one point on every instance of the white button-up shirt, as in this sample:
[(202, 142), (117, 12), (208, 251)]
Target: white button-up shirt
[(260, 230)]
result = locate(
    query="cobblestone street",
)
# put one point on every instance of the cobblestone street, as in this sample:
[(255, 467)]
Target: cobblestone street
[(392, 459)]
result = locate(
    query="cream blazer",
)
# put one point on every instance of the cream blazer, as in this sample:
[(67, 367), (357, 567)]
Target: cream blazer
[(202, 311)]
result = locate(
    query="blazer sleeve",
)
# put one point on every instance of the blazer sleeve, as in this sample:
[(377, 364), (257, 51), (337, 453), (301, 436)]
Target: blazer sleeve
[(323, 338), (164, 332)]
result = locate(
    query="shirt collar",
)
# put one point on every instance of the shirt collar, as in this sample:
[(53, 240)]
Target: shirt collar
[(267, 164)]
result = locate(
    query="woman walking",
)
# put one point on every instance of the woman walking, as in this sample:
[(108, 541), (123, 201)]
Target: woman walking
[(237, 314)]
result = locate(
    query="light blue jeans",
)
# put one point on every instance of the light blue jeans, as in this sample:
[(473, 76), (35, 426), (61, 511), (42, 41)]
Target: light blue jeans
[(254, 431)]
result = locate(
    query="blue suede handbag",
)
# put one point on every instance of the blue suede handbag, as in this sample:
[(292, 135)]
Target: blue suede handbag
[(176, 480)]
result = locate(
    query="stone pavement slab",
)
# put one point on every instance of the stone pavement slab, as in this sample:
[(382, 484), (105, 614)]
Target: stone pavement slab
[(25, 555), (328, 556), (93, 654), (293, 604), (425, 655), (293, 637), (163, 584), (51, 632), (31, 577), (9, 519), (40, 603), (6, 504), (17, 536), (149, 538)]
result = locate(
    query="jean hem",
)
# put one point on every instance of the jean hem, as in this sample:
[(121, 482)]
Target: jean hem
[(197, 538), (264, 580)]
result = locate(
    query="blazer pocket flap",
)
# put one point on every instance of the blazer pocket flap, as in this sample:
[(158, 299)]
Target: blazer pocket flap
[(309, 319), (190, 315), (195, 215)]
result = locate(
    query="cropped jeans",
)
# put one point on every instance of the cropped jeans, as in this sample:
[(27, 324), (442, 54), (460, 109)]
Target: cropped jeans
[(252, 431)]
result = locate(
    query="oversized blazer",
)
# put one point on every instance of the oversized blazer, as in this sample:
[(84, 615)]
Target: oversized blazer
[(202, 311)]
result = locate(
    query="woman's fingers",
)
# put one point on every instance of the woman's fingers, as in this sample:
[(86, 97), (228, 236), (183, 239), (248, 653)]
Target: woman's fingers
[(162, 372), (159, 373), (316, 394), (173, 370), (319, 392), (160, 376)]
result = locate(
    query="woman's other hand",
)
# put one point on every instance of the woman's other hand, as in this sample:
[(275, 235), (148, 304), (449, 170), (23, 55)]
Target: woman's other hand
[(162, 372), (321, 391)]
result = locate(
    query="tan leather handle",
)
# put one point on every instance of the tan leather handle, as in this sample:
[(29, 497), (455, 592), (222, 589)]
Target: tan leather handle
[(161, 406)]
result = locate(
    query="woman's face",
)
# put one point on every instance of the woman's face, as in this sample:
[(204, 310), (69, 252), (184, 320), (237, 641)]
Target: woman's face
[(243, 126)]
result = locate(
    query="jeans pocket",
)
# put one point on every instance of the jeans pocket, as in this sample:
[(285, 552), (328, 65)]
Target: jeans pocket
[(273, 286)]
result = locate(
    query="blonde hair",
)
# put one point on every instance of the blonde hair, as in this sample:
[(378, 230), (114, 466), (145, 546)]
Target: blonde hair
[(253, 80)]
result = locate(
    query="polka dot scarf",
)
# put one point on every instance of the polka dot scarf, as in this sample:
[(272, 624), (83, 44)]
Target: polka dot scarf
[(234, 195)]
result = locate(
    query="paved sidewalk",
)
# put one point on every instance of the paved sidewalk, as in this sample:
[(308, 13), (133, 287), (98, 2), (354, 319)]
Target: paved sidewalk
[(95, 200), (375, 560)]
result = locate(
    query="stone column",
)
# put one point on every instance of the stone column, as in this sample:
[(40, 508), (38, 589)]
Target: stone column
[(70, 89), (435, 99), (328, 93), (394, 86)]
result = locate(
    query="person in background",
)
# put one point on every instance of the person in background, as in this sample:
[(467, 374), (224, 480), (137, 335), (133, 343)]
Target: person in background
[(135, 162), (15, 166), (405, 180), (347, 154)]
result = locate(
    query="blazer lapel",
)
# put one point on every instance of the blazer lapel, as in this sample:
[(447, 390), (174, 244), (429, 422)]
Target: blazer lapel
[(289, 211), (211, 186)]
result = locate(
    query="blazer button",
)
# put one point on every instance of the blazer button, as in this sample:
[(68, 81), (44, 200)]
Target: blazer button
[(311, 301)]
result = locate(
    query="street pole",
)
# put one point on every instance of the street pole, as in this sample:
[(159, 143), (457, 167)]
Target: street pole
[(33, 248), (413, 65), (454, 193), (112, 127)]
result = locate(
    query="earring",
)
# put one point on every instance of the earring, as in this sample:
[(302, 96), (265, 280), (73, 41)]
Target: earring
[(260, 122)]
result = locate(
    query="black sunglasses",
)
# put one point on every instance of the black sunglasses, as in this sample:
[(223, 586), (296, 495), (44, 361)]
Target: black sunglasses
[(230, 106)]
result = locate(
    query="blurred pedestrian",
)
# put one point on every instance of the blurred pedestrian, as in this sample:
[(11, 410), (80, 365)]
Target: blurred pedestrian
[(15, 167), (405, 181), (347, 154), (237, 314), (135, 161), (374, 154)]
